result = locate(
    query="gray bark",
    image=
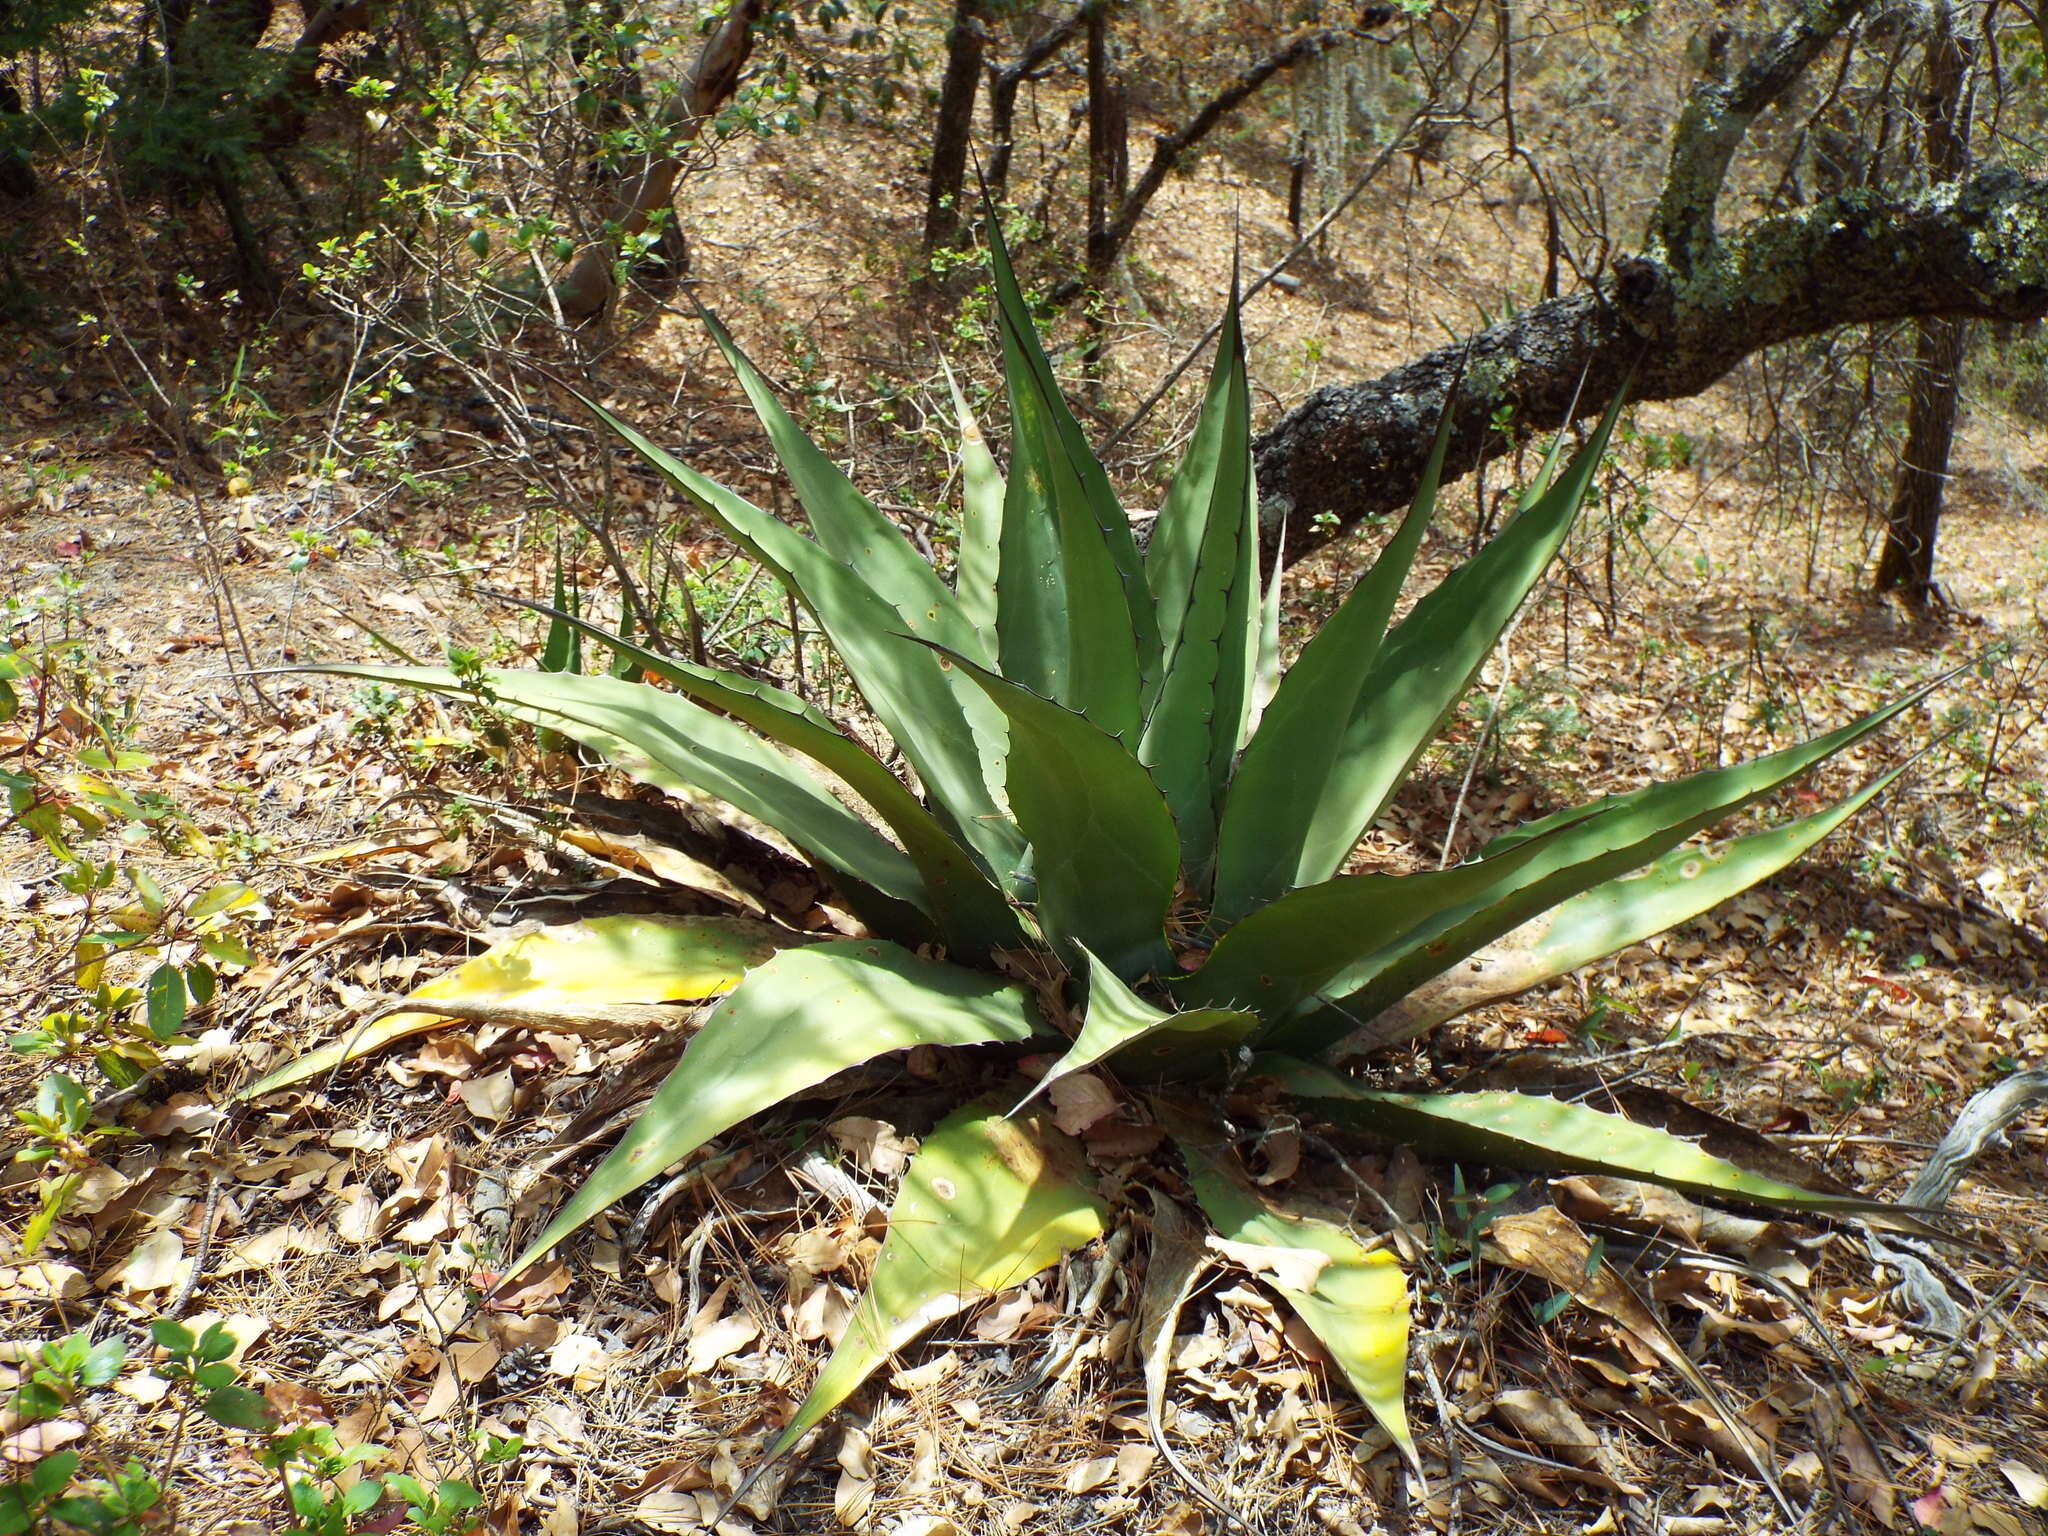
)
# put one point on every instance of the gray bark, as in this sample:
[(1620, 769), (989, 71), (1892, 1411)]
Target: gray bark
[(1974, 249)]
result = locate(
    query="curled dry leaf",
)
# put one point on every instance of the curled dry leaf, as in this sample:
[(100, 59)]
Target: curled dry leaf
[(1080, 1101), (1089, 1475), (488, 1098), (873, 1144), (2029, 1484), (1549, 1422), (1296, 1269), (39, 1440), (1599, 1197)]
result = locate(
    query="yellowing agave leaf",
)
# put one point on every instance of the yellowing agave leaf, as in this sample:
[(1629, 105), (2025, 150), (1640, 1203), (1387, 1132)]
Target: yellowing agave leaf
[(795, 1021), (987, 1203), (595, 963), (1356, 1302)]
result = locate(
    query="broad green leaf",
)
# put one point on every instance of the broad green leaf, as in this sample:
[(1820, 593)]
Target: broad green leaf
[(981, 524), (1145, 1040), (1681, 885), (672, 743), (600, 961), (1581, 849), (1262, 849), (944, 726), (1102, 840), (986, 1203), (1430, 659), (1541, 1134), (1203, 569), (164, 1001), (847, 525), (1358, 1302), (1266, 666), (1074, 620), (971, 912), (795, 1021)]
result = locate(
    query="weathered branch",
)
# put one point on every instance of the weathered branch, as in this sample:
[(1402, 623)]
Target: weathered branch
[(1002, 93), (585, 288), (1975, 249), (1168, 148), (1716, 117)]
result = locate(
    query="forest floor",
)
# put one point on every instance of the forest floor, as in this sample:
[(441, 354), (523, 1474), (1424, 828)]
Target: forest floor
[(340, 1230)]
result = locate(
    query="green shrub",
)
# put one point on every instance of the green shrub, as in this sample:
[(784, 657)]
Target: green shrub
[(1128, 838)]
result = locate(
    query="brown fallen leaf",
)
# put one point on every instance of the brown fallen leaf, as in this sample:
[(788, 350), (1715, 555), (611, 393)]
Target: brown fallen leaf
[(1550, 1422), (1548, 1244), (1080, 1100), (1292, 1269), (1864, 1473), (39, 1440), (873, 1144)]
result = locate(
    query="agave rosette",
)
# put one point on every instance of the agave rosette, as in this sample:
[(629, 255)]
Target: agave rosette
[(1111, 770)]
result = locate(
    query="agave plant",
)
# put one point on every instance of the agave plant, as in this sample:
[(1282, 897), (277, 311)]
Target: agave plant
[(1124, 837)]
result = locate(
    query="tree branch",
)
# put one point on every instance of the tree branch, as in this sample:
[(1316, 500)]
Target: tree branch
[(1169, 147), (585, 288), (1976, 249), (1716, 117)]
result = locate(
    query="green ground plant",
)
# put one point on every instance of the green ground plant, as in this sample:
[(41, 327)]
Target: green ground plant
[(91, 1486), (1123, 836), (73, 781)]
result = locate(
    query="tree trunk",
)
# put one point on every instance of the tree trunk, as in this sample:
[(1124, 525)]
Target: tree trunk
[(1108, 147), (966, 44), (1002, 94), (584, 290), (1109, 233), (1914, 516), (17, 176)]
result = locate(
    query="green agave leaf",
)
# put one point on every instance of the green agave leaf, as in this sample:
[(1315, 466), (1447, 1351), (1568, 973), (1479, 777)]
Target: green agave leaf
[(848, 526), (1610, 917), (1284, 954), (1203, 569), (667, 741), (981, 523), (1144, 1039), (947, 730), (1075, 620), (1543, 1135), (971, 913), (1102, 840), (1358, 1303), (795, 1021), (597, 962), (1262, 846), (1581, 848), (986, 1203), (562, 651), (1266, 667), (1431, 657)]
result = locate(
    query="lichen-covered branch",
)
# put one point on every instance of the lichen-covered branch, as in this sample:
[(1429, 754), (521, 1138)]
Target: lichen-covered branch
[(1976, 248), (1716, 117)]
